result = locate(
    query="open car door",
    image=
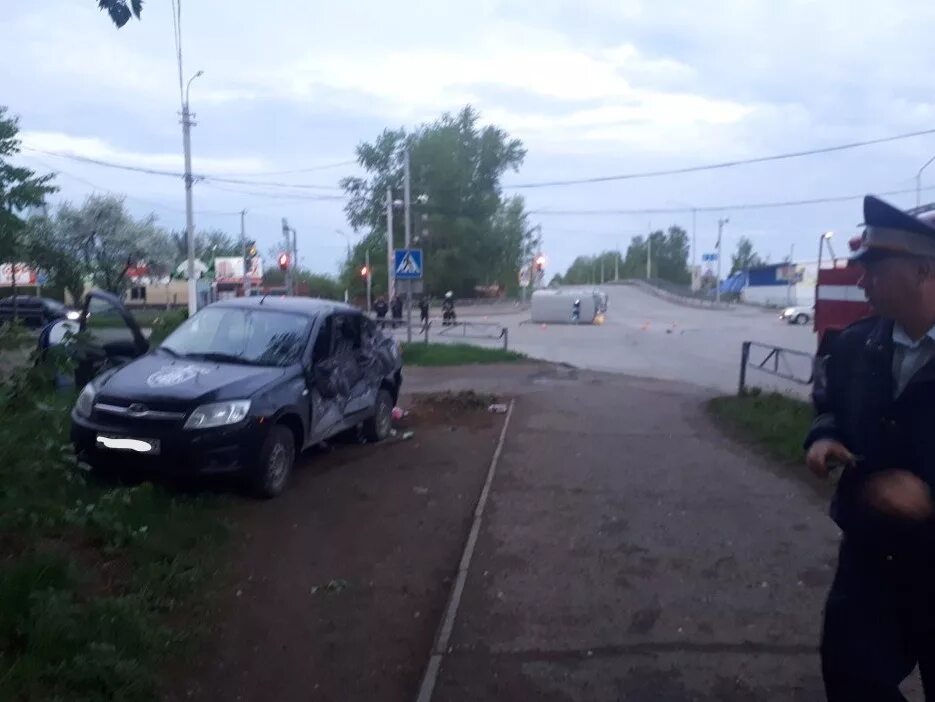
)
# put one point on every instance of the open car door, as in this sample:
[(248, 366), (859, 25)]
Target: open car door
[(109, 336)]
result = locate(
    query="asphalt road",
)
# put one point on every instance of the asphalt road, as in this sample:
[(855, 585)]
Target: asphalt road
[(630, 551), (652, 338)]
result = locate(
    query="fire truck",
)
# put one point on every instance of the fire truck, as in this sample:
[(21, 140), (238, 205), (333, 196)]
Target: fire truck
[(839, 301)]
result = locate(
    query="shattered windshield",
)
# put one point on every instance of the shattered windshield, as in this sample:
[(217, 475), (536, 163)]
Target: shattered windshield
[(229, 334)]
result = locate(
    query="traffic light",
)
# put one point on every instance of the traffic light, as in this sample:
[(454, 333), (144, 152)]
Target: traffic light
[(283, 261), (364, 271), (540, 262), (251, 250)]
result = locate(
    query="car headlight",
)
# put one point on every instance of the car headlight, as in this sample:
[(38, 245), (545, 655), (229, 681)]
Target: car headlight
[(218, 414), (73, 315), (84, 405)]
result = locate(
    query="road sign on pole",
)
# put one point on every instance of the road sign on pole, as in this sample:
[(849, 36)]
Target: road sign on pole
[(709, 257), (408, 264)]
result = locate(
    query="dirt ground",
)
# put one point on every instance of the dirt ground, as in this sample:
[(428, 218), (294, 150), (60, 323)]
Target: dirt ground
[(336, 587)]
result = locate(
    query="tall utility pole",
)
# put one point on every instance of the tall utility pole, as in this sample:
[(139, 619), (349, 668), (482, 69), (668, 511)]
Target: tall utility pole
[(369, 277), (288, 252), (295, 257), (189, 208), (720, 231), (694, 246), (792, 277), (390, 258), (602, 269), (649, 255), (246, 254), (617, 263), (407, 198)]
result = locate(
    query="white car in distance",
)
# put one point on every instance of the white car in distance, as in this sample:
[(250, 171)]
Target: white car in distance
[(798, 314)]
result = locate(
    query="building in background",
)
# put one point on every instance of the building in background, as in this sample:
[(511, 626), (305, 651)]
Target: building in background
[(777, 285), (228, 276)]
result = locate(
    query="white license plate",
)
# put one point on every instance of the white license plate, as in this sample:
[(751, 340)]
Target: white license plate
[(125, 443)]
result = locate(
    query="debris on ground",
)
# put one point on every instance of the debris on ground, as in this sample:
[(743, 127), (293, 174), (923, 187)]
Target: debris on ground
[(419, 490), (467, 399), (332, 586), (406, 435), (399, 413)]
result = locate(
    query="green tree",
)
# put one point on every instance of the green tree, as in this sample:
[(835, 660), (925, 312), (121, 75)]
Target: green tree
[(470, 234), (669, 260), (121, 11), (20, 189), (209, 244), (744, 257), (49, 249), (110, 241)]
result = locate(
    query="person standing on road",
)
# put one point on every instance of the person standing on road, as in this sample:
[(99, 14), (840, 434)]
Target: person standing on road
[(424, 311), (396, 307), (875, 416), (381, 308)]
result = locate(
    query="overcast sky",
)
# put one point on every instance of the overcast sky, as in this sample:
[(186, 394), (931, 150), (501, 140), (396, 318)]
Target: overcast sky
[(592, 88)]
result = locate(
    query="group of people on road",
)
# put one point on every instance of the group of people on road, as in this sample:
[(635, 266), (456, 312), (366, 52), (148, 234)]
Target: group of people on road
[(395, 307)]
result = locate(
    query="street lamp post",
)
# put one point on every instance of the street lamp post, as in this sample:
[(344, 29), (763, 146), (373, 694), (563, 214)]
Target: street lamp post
[(347, 238), (189, 210), (826, 236), (919, 181), (720, 230), (368, 275)]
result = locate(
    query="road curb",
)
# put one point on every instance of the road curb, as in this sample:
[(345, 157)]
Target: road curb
[(446, 626)]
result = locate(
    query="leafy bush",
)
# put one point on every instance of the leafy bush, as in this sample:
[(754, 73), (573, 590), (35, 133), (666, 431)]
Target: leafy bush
[(87, 568)]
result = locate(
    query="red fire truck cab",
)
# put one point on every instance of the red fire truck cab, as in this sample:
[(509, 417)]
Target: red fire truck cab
[(839, 301)]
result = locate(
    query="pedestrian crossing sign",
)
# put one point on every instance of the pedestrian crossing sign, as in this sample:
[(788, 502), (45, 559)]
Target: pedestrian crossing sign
[(408, 264)]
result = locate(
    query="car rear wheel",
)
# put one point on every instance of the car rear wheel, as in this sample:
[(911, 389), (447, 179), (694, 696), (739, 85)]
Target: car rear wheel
[(801, 318), (378, 427), (275, 463)]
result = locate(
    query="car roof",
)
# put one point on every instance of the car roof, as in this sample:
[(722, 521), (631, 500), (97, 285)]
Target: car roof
[(310, 306), (21, 298)]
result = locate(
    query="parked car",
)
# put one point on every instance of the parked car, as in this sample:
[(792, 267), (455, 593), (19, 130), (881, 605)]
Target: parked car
[(800, 314), (34, 312), (244, 385)]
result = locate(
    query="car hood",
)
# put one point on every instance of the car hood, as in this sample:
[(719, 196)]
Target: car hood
[(158, 377)]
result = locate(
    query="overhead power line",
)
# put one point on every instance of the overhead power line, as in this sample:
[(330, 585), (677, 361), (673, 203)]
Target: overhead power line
[(310, 169), (175, 174), (723, 164), (275, 195), (722, 208)]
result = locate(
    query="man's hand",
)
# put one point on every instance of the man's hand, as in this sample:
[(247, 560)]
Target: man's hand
[(825, 454), (899, 493)]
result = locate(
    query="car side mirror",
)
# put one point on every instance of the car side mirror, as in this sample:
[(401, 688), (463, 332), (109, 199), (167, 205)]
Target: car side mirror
[(57, 333)]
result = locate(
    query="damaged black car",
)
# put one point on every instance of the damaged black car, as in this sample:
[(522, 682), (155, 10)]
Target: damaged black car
[(242, 386)]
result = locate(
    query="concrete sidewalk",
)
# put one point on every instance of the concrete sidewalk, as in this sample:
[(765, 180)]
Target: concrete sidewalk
[(630, 552)]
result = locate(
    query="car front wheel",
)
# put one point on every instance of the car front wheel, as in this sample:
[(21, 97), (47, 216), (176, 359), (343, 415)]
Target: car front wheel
[(378, 427), (801, 319), (275, 462)]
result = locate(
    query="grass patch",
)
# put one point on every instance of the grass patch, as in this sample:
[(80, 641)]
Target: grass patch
[(773, 423), (419, 354), (89, 573)]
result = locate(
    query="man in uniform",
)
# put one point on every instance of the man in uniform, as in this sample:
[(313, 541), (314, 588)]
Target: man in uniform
[(875, 416)]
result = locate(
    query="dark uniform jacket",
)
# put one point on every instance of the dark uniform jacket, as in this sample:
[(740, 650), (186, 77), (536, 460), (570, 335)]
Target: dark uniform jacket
[(854, 405)]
